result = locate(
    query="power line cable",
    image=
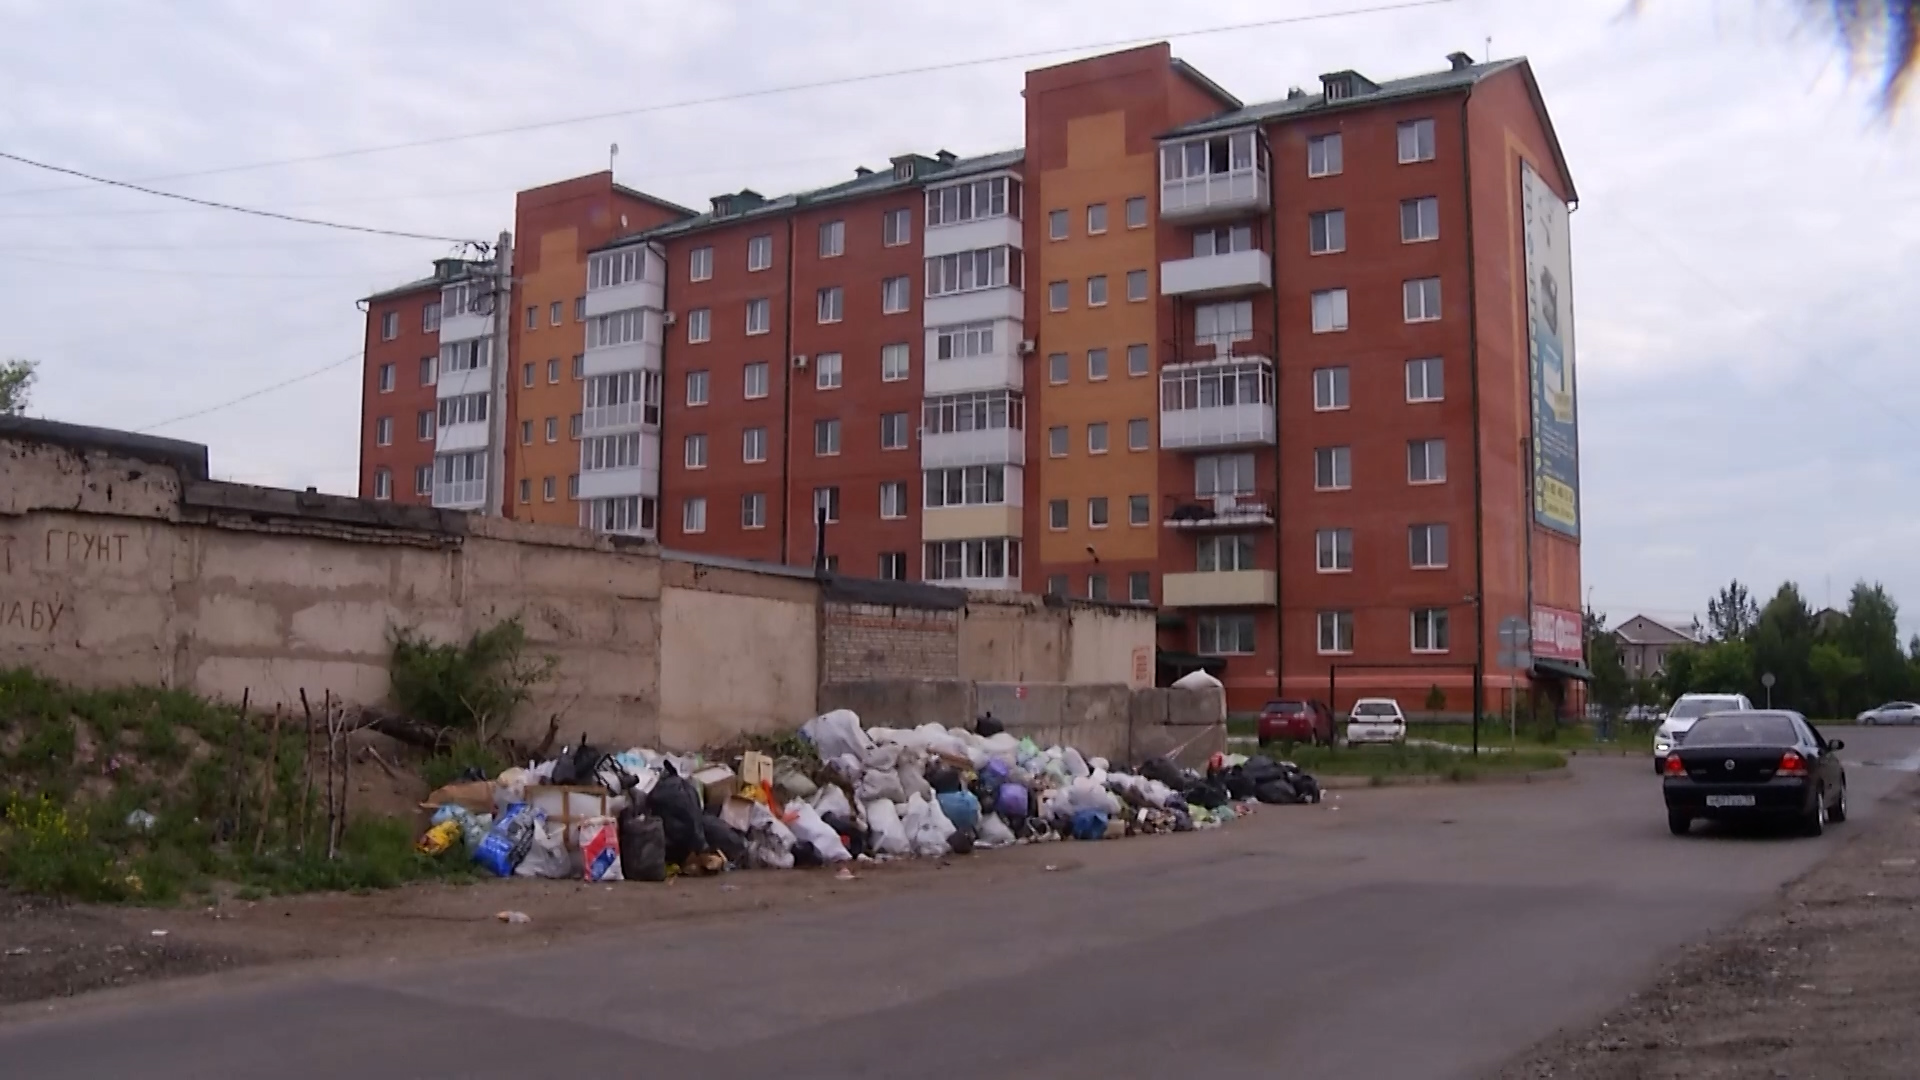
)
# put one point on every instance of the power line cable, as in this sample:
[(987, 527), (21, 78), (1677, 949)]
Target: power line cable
[(179, 272), (283, 384)]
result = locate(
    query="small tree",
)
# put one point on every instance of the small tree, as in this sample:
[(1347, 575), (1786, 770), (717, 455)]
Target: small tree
[(16, 385), (471, 689), (1436, 700)]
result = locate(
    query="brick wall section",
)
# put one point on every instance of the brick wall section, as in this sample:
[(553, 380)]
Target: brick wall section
[(876, 641)]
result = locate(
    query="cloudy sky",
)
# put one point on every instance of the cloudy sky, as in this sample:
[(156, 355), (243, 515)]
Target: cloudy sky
[(1747, 252)]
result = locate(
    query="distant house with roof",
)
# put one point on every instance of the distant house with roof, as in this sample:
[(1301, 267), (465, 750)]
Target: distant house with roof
[(1645, 644)]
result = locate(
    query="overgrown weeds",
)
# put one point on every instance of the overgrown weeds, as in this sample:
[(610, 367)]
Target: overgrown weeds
[(471, 688)]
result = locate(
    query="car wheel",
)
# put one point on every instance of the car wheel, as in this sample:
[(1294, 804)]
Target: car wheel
[(1839, 812), (1678, 824), (1260, 740), (1816, 822)]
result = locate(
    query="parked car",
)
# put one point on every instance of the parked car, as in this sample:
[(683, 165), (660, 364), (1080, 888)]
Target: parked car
[(1376, 720), (1756, 765), (1685, 711), (1295, 721), (1893, 712)]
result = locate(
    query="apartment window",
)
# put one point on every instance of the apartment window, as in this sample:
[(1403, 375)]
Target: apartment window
[(579, 367), (759, 316), (997, 196), (700, 264), (895, 362), (895, 293), (548, 489), (1139, 510), (1057, 368), (607, 452), (693, 515), (1097, 290), (621, 515), (960, 560), (573, 485), (616, 328), (1096, 219), (1336, 632), (826, 371), (622, 398), (893, 499), (893, 564), (699, 326), (1056, 296), (383, 431), (1426, 380), (1221, 240), (1323, 155), (1139, 433), (833, 239), (1426, 461), (386, 378), (465, 409), (696, 451), (1225, 635), (428, 369), (574, 425), (526, 375), (1097, 512), (466, 355), (1056, 584), (1223, 474), (1057, 442), (896, 228), (1419, 220), (1137, 212), (553, 429), (1211, 386), (826, 438), (615, 268), (753, 511), (1427, 547), (1220, 325), (1430, 630), (759, 253), (526, 491), (1096, 364), (1097, 437), (389, 326), (553, 372), (526, 433), (423, 480), (696, 388), (826, 499), (1137, 364), (533, 318), (1416, 141), (963, 340), (554, 319), (754, 381), (893, 431), (382, 483), (1333, 550), (430, 317), (831, 303), (1224, 554), (1057, 512), (974, 485), (992, 410), (1058, 222), (579, 312), (1333, 468), (966, 271), (1136, 285), (753, 445), (1330, 389), (1096, 586), (1140, 587), (423, 425), (1422, 299), (1329, 311), (1326, 232)]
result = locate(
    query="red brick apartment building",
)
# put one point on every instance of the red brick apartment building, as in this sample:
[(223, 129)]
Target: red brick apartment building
[(1292, 372)]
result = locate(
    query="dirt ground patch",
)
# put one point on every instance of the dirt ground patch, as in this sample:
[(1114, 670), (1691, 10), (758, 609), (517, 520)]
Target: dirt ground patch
[(1825, 982)]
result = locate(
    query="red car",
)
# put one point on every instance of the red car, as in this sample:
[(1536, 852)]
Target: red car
[(1295, 722)]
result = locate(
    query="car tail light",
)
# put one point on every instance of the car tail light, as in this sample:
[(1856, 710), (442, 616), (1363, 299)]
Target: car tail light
[(1674, 767), (1792, 764)]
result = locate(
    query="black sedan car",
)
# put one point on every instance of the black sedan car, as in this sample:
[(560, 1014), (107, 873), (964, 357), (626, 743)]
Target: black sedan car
[(1755, 766)]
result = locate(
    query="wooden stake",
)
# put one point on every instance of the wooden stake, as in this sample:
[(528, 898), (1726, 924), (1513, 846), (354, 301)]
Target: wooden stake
[(346, 774), (326, 711), (306, 767), (267, 786)]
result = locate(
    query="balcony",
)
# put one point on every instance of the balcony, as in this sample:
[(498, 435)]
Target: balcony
[(460, 438), (1218, 394), (1213, 178), (619, 483), (1000, 231), (970, 522), (1217, 275), (1223, 510), (611, 419), (987, 446), (1229, 588), (999, 302)]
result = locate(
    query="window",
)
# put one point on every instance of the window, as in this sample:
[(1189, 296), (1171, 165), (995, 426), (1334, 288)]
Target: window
[(1422, 299), (615, 268), (553, 429), (533, 322), (526, 433), (833, 239), (526, 490), (1323, 155), (1426, 380), (826, 499), (754, 381), (573, 486), (831, 303), (1056, 584), (1426, 461), (1224, 554), (753, 445), (1096, 364), (386, 378), (1097, 437), (1220, 325), (974, 485), (1221, 240), (1211, 386), (893, 564), (430, 322), (548, 490), (1419, 220), (610, 452), (423, 480), (622, 398), (1329, 311), (553, 372), (554, 319), (895, 362), (465, 409), (759, 316), (1333, 550), (1137, 212), (466, 355), (966, 271), (383, 482), (1197, 161), (383, 431), (1139, 434), (579, 312), (700, 264), (893, 431), (1057, 442), (1139, 510), (1223, 474), (616, 328), (699, 326), (1097, 290), (1336, 632), (423, 425), (1416, 141), (963, 340), (389, 325), (1427, 547), (960, 560), (759, 253), (696, 388), (579, 367), (1225, 635), (980, 411), (753, 511), (1137, 364), (896, 228), (1140, 587), (893, 499), (428, 369), (1057, 368), (1097, 512), (1326, 232), (895, 294), (573, 425), (621, 515), (1056, 296), (526, 375), (826, 438), (1332, 468), (826, 371), (1096, 586), (693, 515), (997, 196), (1058, 223), (1057, 514), (1096, 219), (696, 451), (1136, 285), (1330, 389), (1430, 630)]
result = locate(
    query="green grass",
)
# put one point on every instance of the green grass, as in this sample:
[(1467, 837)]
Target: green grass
[(1402, 761), (1573, 737)]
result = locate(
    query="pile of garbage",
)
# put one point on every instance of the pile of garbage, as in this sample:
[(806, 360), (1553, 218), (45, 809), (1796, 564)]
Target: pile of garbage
[(869, 794)]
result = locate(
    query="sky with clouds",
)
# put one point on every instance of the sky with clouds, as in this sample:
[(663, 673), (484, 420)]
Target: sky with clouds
[(1747, 250)]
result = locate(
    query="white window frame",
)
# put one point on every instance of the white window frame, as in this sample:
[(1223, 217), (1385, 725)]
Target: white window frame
[(603, 453), (1333, 551), (1137, 202), (549, 488), (896, 295), (759, 253), (383, 483), (553, 371), (1425, 220), (960, 560), (389, 325), (387, 378), (1322, 225), (383, 431), (695, 451), (830, 304), (1059, 515), (1142, 427), (693, 514), (1432, 380), (747, 380), (1410, 135), (424, 424), (833, 239), (699, 386), (1059, 224), (1144, 367), (826, 437), (893, 566), (1097, 290), (1332, 389), (971, 271), (552, 429), (430, 317), (1224, 474), (1434, 625), (699, 326), (1338, 474), (753, 510), (973, 200), (1426, 461), (700, 264), (1333, 633), (1099, 514), (1226, 553), (1140, 587), (1101, 444), (1225, 634), (1420, 546), (962, 340), (1059, 368), (1096, 218), (1139, 510), (896, 362), (893, 500), (905, 436), (753, 445), (759, 316), (1330, 311), (829, 498), (615, 268), (423, 480), (966, 485), (1138, 287), (1059, 295), (829, 371), (1420, 299), (1059, 441), (896, 228), (1097, 364), (1330, 153)]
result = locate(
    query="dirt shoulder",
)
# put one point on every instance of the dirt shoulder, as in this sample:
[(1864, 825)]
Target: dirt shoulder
[(1821, 983)]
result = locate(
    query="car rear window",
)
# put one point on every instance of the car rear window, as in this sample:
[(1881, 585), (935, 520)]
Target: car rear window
[(1375, 708), (1743, 729), (1692, 707), (1286, 706)]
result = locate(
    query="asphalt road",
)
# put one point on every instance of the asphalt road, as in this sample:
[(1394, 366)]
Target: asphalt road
[(1400, 933)]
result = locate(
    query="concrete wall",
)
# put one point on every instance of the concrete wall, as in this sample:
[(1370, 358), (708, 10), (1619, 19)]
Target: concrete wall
[(888, 641), (736, 653), (1019, 638)]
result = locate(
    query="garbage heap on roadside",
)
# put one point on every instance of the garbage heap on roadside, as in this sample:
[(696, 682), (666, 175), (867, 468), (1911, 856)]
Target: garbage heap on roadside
[(867, 794)]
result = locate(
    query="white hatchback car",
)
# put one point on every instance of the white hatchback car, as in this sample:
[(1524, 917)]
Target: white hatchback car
[(1376, 720)]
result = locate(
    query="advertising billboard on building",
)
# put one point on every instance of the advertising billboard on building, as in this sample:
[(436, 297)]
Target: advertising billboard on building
[(1556, 439), (1558, 634)]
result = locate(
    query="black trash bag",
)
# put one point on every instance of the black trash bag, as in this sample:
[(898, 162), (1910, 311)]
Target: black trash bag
[(1306, 786), (643, 848), (853, 836), (944, 778), (676, 802), (577, 764), (1182, 821), (1261, 769), (1022, 826), (1238, 784), (1175, 804), (1211, 794), (1276, 792), (805, 854), (961, 842), (721, 838), (987, 727), (1164, 771), (987, 790)]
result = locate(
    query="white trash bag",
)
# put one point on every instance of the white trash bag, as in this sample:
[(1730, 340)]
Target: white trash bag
[(993, 832), (808, 826), (884, 830), (832, 800), (835, 733), (547, 858), (927, 828)]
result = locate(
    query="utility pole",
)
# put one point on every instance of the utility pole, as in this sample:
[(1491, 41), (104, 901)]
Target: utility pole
[(501, 275)]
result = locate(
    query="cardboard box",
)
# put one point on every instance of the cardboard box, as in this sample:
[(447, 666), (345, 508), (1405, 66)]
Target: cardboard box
[(756, 769), (716, 783)]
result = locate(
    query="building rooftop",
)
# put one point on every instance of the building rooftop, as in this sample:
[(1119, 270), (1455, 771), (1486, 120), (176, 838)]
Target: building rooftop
[(445, 271), (1642, 630)]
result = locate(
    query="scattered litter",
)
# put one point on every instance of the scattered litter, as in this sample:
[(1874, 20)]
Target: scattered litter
[(844, 874), (1897, 864), (21, 951), (513, 917), (159, 933), (141, 821), (1050, 868)]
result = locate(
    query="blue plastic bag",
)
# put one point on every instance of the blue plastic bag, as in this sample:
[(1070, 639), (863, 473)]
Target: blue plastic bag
[(962, 808), (507, 842), (1089, 825)]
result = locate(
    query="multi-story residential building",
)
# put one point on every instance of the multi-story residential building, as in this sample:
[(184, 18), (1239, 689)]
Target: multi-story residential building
[(399, 409), (1646, 643), (1298, 373)]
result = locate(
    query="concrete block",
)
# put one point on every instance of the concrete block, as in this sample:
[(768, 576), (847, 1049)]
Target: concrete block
[(226, 621), (344, 628), (900, 703), (289, 565)]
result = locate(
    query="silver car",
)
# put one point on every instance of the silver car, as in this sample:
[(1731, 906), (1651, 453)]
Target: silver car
[(1893, 712)]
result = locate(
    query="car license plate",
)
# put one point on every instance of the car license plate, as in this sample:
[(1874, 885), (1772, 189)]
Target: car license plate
[(1729, 800)]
